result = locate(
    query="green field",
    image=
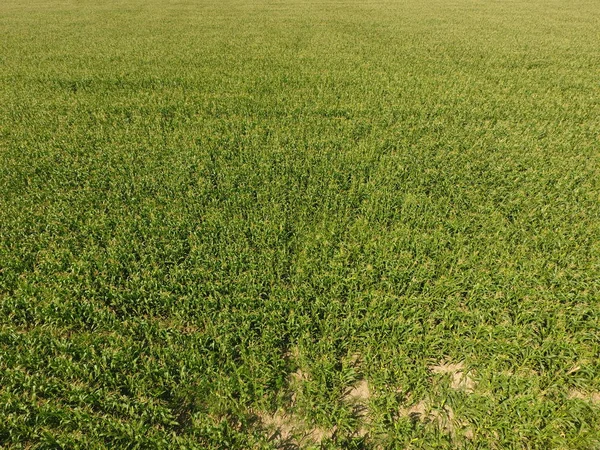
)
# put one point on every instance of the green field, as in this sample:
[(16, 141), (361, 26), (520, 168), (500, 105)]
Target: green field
[(334, 224)]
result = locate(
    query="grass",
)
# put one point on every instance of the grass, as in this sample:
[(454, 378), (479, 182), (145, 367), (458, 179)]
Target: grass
[(259, 224)]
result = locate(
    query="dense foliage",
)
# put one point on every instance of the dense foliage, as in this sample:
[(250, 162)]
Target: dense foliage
[(345, 224)]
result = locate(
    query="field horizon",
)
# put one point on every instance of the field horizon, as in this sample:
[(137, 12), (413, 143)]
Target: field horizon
[(300, 224)]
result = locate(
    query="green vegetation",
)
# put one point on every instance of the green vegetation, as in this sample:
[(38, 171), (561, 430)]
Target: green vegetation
[(264, 223)]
